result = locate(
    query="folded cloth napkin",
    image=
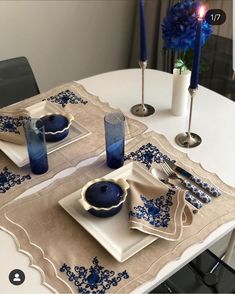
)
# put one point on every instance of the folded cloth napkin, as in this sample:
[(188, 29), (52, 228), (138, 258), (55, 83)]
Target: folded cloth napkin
[(11, 125), (158, 210)]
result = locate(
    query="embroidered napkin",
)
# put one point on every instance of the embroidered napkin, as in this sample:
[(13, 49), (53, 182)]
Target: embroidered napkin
[(158, 211), (11, 125)]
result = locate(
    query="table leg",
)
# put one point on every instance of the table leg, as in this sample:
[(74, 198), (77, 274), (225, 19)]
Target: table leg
[(230, 248)]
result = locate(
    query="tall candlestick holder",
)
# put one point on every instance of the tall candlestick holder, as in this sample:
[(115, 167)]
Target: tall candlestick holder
[(189, 139), (142, 109)]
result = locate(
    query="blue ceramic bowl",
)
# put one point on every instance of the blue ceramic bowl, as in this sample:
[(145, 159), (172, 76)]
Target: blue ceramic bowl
[(104, 197), (56, 126)]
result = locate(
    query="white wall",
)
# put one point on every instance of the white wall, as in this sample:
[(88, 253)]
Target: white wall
[(67, 40)]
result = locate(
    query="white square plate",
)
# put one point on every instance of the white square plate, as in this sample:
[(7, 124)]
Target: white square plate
[(113, 233), (18, 153)]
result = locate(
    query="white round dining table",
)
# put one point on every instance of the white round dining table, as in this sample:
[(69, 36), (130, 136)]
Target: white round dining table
[(213, 119)]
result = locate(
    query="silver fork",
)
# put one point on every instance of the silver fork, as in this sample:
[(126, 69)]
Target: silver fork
[(188, 196), (169, 172), (188, 185)]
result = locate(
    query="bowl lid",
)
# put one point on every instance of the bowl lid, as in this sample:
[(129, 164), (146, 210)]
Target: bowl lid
[(104, 194), (54, 122)]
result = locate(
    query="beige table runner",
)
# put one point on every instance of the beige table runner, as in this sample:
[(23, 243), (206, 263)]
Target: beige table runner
[(88, 111), (72, 260)]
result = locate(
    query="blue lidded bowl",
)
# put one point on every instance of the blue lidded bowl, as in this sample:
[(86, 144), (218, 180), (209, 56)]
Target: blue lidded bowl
[(104, 197), (56, 126)]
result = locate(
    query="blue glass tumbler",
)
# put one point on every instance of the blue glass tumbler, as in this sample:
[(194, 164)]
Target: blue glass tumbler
[(36, 145), (114, 124)]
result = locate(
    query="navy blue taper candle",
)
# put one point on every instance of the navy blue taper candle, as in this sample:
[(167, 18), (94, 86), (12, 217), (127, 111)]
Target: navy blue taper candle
[(143, 43), (197, 51)]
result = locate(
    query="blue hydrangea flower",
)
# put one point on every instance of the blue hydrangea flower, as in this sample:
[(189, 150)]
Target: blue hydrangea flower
[(179, 26)]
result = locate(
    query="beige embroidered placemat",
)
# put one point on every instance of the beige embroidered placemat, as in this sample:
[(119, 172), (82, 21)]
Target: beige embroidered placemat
[(88, 111), (72, 260)]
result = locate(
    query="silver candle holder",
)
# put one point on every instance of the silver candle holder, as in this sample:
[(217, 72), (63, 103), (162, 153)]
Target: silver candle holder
[(142, 109), (189, 139)]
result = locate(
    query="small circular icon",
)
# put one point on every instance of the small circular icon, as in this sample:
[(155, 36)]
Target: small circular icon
[(16, 277), (215, 17)]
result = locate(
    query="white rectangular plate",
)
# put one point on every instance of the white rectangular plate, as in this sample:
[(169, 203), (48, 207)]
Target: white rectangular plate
[(18, 153), (113, 233)]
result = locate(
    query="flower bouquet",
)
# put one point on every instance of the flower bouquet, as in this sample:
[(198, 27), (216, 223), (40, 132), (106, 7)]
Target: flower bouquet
[(179, 31)]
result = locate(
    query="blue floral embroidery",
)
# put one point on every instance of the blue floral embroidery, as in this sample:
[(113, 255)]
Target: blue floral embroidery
[(147, 154), (155, 211), (96, 279), (11, 124), (9, 180), (66, 97)]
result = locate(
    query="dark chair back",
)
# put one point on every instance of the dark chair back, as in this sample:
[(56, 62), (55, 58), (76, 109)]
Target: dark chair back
[(17, 81)]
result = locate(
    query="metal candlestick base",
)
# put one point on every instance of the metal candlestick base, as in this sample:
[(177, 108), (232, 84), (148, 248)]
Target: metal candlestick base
[(140, 110), (188, 140)]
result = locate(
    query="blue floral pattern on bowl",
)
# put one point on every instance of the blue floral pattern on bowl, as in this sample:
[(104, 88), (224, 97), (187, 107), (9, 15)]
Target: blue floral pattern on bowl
[(147, 154), (65, 97), (155, 211), (9, 180), (11, 124), (95, 279)]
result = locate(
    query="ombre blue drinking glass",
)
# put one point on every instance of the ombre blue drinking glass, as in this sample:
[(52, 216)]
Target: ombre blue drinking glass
[(114, 124), (36, 145)]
